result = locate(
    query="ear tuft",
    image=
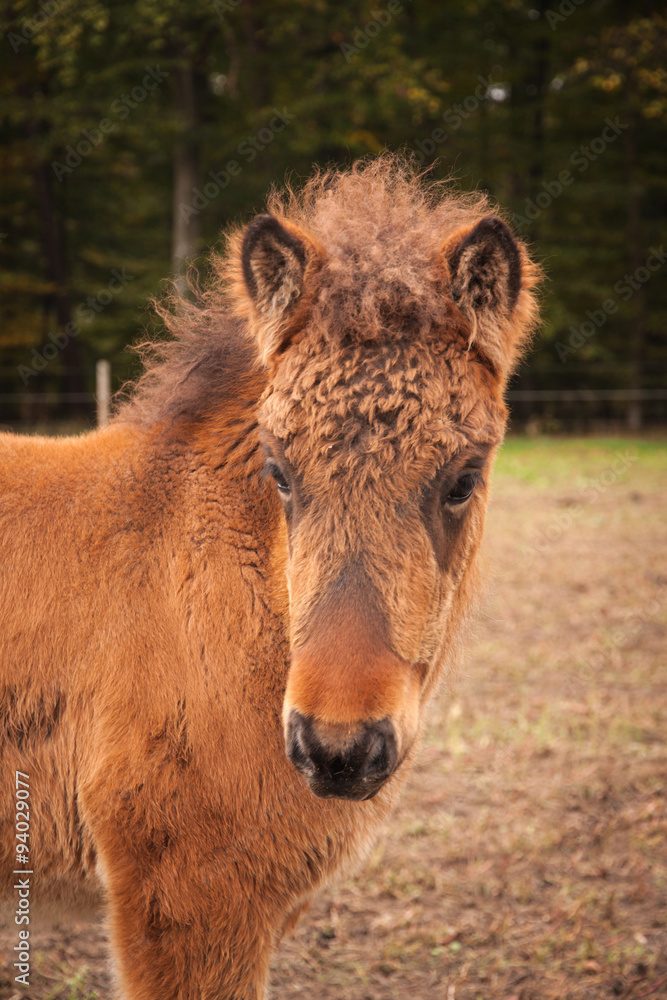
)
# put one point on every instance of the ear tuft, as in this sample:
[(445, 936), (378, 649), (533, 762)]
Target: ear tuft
[(491, 277), (486, 268), (273, 262)]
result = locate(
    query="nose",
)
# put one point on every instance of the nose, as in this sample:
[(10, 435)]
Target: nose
[(338, 764)]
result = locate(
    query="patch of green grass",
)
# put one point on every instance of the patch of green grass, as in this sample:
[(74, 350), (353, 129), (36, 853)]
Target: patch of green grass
[(567, 463), (73, 988)]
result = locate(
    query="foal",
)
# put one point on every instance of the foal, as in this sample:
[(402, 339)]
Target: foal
[(222, 616)]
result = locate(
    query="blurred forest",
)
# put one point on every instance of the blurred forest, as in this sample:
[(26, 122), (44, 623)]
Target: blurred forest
[(133, 132)]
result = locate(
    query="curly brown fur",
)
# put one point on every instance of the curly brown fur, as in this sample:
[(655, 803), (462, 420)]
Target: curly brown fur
[(173, 621)]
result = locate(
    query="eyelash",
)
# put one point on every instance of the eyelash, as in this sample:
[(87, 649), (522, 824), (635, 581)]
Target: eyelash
[(280, 480), (463, 489)]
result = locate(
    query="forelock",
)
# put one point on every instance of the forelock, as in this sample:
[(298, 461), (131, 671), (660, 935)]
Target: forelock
[(369, 411), (382, 227)]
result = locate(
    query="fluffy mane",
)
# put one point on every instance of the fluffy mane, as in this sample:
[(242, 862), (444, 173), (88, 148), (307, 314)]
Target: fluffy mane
[(380, 225)]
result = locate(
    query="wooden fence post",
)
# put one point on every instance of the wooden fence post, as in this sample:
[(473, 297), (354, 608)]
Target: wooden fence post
[(103, 391)]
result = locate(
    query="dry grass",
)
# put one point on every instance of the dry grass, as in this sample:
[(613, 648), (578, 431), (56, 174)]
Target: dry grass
[(527, 860)]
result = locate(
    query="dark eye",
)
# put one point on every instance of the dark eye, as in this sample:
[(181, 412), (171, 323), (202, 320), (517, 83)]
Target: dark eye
[(281, 482), (462, 491)]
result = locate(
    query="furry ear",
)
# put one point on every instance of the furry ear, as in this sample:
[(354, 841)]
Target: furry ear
[(486, 270), (273, 261)]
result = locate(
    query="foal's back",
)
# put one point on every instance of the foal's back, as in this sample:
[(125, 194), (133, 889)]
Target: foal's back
[(68, 545)]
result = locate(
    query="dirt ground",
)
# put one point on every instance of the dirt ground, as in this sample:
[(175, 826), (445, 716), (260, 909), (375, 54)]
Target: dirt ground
[(528, 858)]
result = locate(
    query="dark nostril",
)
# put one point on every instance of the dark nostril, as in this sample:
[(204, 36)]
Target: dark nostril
[(297, 750), (378, 756), (381, 754), (363, 762)]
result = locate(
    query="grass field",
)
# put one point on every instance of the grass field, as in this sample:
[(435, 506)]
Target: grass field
[(527, 859)]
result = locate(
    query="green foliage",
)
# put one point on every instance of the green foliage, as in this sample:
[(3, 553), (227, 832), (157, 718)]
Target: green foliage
[(97, 98)]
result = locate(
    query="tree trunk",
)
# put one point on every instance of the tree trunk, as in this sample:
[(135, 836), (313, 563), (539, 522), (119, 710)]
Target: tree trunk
[(528, 99), (185, 228), (637, 256), (254, 48), (71, 355)]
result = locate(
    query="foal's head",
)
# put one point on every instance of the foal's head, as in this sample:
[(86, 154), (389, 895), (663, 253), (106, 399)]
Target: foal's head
[(389, 317)]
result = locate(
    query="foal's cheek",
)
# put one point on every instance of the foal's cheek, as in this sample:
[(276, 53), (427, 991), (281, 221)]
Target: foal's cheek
[(279, 577)]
